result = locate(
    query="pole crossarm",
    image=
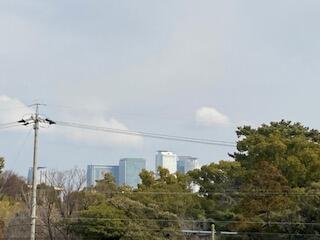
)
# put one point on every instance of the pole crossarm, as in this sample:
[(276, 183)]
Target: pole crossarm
[(36, 118)]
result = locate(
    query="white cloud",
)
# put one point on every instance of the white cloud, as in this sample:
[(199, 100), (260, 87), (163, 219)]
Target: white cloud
[(92, 118), (12, 110), (208, 116)]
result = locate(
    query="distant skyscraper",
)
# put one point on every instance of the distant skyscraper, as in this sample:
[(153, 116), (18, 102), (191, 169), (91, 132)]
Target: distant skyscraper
[(187, 163), (166, 160), (42, 175), (96, 172), (129, 170)]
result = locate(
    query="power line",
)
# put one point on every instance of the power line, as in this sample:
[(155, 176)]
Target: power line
[(79, 221), (13, 108), (218, 193), (10, 126), (169, 229), (147, 134), (8, 123), (22, 144), (184, 220), (194, 221)]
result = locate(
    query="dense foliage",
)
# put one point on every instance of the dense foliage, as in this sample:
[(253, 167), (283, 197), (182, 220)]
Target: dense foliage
[(269, 190)]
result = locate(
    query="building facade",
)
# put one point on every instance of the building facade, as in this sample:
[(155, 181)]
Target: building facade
[(42, 175), (187, 163), (166, 159), (96, 172), (129, 170)]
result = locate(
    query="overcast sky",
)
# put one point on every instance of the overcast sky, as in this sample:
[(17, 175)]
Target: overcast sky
[(191, 68)]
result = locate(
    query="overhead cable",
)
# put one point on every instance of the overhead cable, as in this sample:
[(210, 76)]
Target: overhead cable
[(147, 134), (230, 193), (9, 126)]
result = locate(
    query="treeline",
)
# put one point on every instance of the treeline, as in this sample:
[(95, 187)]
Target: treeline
[(270, 190)]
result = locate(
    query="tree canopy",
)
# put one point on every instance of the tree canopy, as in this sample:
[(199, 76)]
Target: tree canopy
[(269, 190), (290, 147)]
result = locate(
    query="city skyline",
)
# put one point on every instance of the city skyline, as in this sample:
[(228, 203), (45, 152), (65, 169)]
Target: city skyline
[(95, 172), (48, 132), (119, 70), (115, 163)]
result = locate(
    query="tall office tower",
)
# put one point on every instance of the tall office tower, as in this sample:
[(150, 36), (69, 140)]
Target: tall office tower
[(166, 160), (187, 163), (129, 170), (96, 172), (42, 175)]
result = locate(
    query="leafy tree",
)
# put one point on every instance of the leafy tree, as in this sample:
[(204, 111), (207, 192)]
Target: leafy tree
[(308, 201), (147, 178), (170, 192), (217, 185), (100, 222), (107, 185), (291, 147), (147, 222), (123, 218), (264, 197), (282, 158), (119, 216)]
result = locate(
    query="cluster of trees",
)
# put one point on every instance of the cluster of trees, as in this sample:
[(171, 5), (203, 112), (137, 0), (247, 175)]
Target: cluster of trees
[(270, 190)]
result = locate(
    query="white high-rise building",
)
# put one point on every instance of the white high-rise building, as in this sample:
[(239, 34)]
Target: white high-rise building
[(187, 163), (168, 160)]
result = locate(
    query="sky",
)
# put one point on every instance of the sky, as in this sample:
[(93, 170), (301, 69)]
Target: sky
[(182, 67)]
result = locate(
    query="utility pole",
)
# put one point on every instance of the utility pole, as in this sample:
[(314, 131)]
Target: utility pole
[(34, 175), (35, 119)]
